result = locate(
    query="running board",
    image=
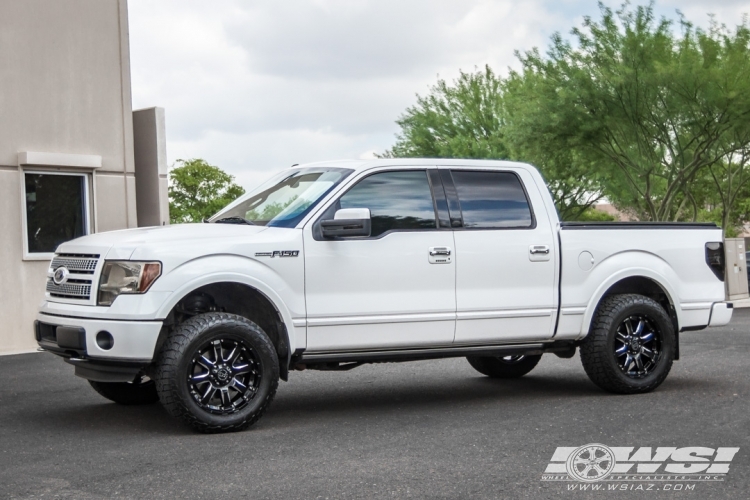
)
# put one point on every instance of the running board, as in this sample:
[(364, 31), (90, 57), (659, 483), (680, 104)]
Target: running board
[(426, 353)]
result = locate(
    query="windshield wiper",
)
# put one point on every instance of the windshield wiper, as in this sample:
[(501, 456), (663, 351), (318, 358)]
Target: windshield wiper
[(235, 220)]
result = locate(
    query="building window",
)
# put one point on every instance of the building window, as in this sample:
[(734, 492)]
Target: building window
[(56, 210)]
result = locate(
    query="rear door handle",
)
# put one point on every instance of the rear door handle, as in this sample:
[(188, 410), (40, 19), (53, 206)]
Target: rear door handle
[(537, 249)]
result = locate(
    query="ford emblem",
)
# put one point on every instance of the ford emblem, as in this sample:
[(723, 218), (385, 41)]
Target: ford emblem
[(60, 276)]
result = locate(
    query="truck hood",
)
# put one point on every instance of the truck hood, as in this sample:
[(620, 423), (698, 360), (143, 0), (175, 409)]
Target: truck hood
[(121, 244)]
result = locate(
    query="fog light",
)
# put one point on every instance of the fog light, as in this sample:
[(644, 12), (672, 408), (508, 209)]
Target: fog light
[(105, 340)]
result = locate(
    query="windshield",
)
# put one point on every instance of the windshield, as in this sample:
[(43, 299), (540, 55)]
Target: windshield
[(285, 199)]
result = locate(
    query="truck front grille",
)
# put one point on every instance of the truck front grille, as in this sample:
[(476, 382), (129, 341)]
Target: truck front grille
[(78, 285)]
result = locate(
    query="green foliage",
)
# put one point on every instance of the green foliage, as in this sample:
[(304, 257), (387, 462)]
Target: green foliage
[(198, 190), (594, 215), (462, 120), (269, 211), (468, 119), (651, 114), (652, 109)]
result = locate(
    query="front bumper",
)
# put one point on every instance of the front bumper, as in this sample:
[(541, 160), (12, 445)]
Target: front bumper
[(74, 338)]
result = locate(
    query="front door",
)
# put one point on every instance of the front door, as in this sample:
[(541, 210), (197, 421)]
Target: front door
[(386, 290)]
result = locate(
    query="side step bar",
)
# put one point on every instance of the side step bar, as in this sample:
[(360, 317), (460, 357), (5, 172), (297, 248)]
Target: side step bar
[(431, 353)]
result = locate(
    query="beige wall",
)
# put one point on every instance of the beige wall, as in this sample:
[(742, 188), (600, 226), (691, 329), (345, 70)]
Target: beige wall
[(64, 88)]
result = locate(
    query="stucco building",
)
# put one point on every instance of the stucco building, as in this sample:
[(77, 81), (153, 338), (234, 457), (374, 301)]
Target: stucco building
[(74, 157)]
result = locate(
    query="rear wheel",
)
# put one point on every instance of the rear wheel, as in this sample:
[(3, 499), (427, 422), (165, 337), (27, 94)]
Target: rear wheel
[(504, 366), (217, 372), (631, 345), (140, 392)]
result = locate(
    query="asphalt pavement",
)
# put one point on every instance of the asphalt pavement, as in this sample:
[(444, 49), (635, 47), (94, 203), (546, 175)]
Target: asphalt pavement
[(428, 429)]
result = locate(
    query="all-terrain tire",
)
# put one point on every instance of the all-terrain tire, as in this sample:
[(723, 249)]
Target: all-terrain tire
[(140, 392), (179, 360), (598, 349), (504, 367)]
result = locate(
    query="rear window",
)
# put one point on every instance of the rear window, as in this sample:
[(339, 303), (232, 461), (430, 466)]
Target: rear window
[(492, 200)]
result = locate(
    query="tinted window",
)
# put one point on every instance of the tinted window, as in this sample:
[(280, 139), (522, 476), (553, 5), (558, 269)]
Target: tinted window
[(397, 200), (492, 199), (54, 210)]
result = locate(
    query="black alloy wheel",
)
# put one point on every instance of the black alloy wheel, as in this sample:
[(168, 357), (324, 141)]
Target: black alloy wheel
[(630, 346), (224, 375), (218, 372), (637, 346)]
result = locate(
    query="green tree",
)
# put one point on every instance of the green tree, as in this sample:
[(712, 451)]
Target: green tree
[(462, 120), (198, 190), (648, 108), (469, 119)]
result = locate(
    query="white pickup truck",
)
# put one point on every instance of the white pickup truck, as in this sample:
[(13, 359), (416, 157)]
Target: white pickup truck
[(331, 265)]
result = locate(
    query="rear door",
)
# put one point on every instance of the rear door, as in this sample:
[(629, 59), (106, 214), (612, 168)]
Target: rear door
[(394, 289), (505, 257)]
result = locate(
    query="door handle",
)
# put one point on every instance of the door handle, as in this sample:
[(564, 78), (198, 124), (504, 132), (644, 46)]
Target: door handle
[(536, 249), (440, 251), (440, 255)]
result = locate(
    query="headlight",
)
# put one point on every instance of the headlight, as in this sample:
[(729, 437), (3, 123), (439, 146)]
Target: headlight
[(125, 276)]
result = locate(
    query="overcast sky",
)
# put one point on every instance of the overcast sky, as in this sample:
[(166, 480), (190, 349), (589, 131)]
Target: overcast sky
[(256, 86)]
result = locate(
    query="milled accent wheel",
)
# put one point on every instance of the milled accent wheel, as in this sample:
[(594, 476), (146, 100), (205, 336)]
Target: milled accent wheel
[(142, 391), (504, 366), (224, 376), (218, 372), (631, 345)]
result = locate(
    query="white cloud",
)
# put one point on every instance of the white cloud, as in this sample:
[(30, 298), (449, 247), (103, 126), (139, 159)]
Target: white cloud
[(254, 87)]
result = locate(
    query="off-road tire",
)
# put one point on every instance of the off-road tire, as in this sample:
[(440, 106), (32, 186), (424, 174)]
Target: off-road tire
[(598, 348), (141, 392), (176, 360), (502, 367)]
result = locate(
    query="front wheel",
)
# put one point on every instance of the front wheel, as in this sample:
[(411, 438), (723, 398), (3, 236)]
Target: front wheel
[(218, 372), (142, 391), (631, 345), (504, 366)]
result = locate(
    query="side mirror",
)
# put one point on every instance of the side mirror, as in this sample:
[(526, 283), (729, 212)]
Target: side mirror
[(347, 222)]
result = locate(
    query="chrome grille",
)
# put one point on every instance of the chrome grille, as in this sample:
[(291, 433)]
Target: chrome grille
[(69, 290), (81, 268), (79, 264)]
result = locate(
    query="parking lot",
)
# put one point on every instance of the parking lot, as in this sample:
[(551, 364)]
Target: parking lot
[(430, 429)]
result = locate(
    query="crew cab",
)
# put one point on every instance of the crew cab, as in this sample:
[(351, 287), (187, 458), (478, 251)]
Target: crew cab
[(331, 265)]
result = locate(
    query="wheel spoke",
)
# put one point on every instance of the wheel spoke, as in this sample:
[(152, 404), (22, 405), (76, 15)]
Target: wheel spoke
[(217, 351), (648, 353), (639, 362), (233, 355), (210, 390), (225, 399), (201, 377), (639, 328), (239, 385), (241, 369), (205, 362), (647, 337), (629, 326), (622, 350)]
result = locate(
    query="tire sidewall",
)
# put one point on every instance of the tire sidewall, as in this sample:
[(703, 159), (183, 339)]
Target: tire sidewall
[(656, 314), (244, 331)]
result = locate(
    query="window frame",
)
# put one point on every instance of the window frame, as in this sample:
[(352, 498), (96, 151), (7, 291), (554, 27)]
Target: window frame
[(453, 191), (330, 209), (86, 204)]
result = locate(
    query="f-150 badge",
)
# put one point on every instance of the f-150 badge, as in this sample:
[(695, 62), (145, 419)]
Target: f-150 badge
[(278, 253)]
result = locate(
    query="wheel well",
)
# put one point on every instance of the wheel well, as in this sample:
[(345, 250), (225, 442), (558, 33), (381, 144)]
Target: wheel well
[(234, 298), (648, 287)]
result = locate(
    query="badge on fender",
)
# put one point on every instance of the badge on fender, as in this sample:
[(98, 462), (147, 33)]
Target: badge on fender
[(278, 253)]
